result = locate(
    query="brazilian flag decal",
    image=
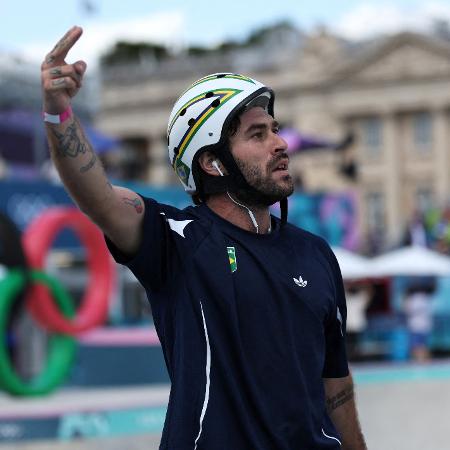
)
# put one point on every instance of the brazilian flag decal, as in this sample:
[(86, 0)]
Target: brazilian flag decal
[(232, 257)]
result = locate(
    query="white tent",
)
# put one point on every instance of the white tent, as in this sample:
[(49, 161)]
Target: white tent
[(410, 261), (353, 266)]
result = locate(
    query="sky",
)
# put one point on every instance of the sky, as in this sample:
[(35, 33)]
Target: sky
[(30, 28)]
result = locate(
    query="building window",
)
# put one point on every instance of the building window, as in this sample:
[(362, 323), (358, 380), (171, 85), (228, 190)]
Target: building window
[(422, 131), (375, 210), (372, 138)]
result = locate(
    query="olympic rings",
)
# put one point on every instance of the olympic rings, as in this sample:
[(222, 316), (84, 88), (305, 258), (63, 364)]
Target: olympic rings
[(37, 240), (61, 349)]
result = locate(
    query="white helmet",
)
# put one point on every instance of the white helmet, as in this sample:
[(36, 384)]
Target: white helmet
[(201, 115)]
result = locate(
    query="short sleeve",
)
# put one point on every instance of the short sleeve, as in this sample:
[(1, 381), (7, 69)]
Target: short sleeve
[(336, 364), (151, 263)]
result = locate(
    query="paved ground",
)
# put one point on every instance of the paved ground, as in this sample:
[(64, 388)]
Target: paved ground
[(75, 400), (401, 408), (144, 442), (405, 415)]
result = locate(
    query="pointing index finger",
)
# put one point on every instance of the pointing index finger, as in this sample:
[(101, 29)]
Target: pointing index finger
[(63, 46)]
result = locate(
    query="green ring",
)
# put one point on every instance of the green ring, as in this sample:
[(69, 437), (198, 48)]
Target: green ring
[(61, 347)]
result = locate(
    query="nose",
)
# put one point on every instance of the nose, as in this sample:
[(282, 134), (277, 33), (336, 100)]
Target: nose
[(280, 145)]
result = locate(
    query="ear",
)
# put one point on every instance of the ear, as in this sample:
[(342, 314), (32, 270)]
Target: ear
[(205, 161)]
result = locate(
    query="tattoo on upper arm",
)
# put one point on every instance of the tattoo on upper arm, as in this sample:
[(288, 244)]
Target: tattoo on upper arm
[(135, 203), (340, 398), (73, 143)]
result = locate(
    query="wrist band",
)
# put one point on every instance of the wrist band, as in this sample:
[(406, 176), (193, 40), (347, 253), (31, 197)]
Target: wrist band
[(58, 118)]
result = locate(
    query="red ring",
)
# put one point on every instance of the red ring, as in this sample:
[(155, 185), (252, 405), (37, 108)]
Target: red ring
[(37, 240)]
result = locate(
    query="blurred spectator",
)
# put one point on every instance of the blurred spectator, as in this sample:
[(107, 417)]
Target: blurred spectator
[(437, 225), (375, 241), (430, 229), (415, 232), (419, 319), (358, 298)]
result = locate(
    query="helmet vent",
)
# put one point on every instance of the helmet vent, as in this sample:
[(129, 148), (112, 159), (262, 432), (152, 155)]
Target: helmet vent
[(215, 103), (191, 122), (183, 112), (222, 75), (209, 94)]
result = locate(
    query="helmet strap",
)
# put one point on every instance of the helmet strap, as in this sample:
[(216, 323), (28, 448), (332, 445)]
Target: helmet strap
[(283, 210), (232, 182)]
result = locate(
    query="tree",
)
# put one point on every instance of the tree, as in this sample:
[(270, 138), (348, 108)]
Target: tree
[(134, 52)]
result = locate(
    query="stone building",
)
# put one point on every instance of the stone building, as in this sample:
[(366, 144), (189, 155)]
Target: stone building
[(393, 93)]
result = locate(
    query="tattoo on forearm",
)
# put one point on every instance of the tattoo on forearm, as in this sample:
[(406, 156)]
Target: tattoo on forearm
[(71, 144), (340, 398), (90, 164), (135, 203)]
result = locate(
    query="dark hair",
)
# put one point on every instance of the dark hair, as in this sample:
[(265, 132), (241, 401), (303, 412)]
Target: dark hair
[(234, 125)]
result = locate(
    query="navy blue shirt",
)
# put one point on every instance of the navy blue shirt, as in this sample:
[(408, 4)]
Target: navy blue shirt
[(249, 325)]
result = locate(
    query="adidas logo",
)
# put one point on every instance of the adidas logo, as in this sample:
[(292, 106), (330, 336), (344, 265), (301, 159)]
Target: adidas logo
[(300, 282)]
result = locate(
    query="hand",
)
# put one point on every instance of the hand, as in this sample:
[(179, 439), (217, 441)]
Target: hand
[(61, 81)]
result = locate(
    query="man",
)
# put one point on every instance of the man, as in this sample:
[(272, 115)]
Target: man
[(250, 310)]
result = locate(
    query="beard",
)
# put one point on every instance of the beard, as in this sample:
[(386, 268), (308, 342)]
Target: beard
[(265, 190)]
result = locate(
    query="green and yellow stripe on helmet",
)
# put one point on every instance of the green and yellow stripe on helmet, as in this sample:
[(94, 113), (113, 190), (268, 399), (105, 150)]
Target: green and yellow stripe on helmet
[(216, 76), (227, 75), (223, 95)]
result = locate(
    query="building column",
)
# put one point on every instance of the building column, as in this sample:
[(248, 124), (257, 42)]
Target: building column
[(393, 150), (441, 148), (159, 169)]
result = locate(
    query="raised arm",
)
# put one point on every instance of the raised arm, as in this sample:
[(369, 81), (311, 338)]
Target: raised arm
[(342, 410), (117, 211)]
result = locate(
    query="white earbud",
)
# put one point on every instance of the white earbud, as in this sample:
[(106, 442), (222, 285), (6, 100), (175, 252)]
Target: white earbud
[(216, 166)]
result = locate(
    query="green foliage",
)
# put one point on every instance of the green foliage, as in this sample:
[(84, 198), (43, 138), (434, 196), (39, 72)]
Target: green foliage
[(127, 52), (134, 52), (259, 35)]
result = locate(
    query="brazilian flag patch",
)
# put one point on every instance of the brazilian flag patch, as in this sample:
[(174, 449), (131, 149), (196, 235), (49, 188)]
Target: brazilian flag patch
[(232, 257)]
